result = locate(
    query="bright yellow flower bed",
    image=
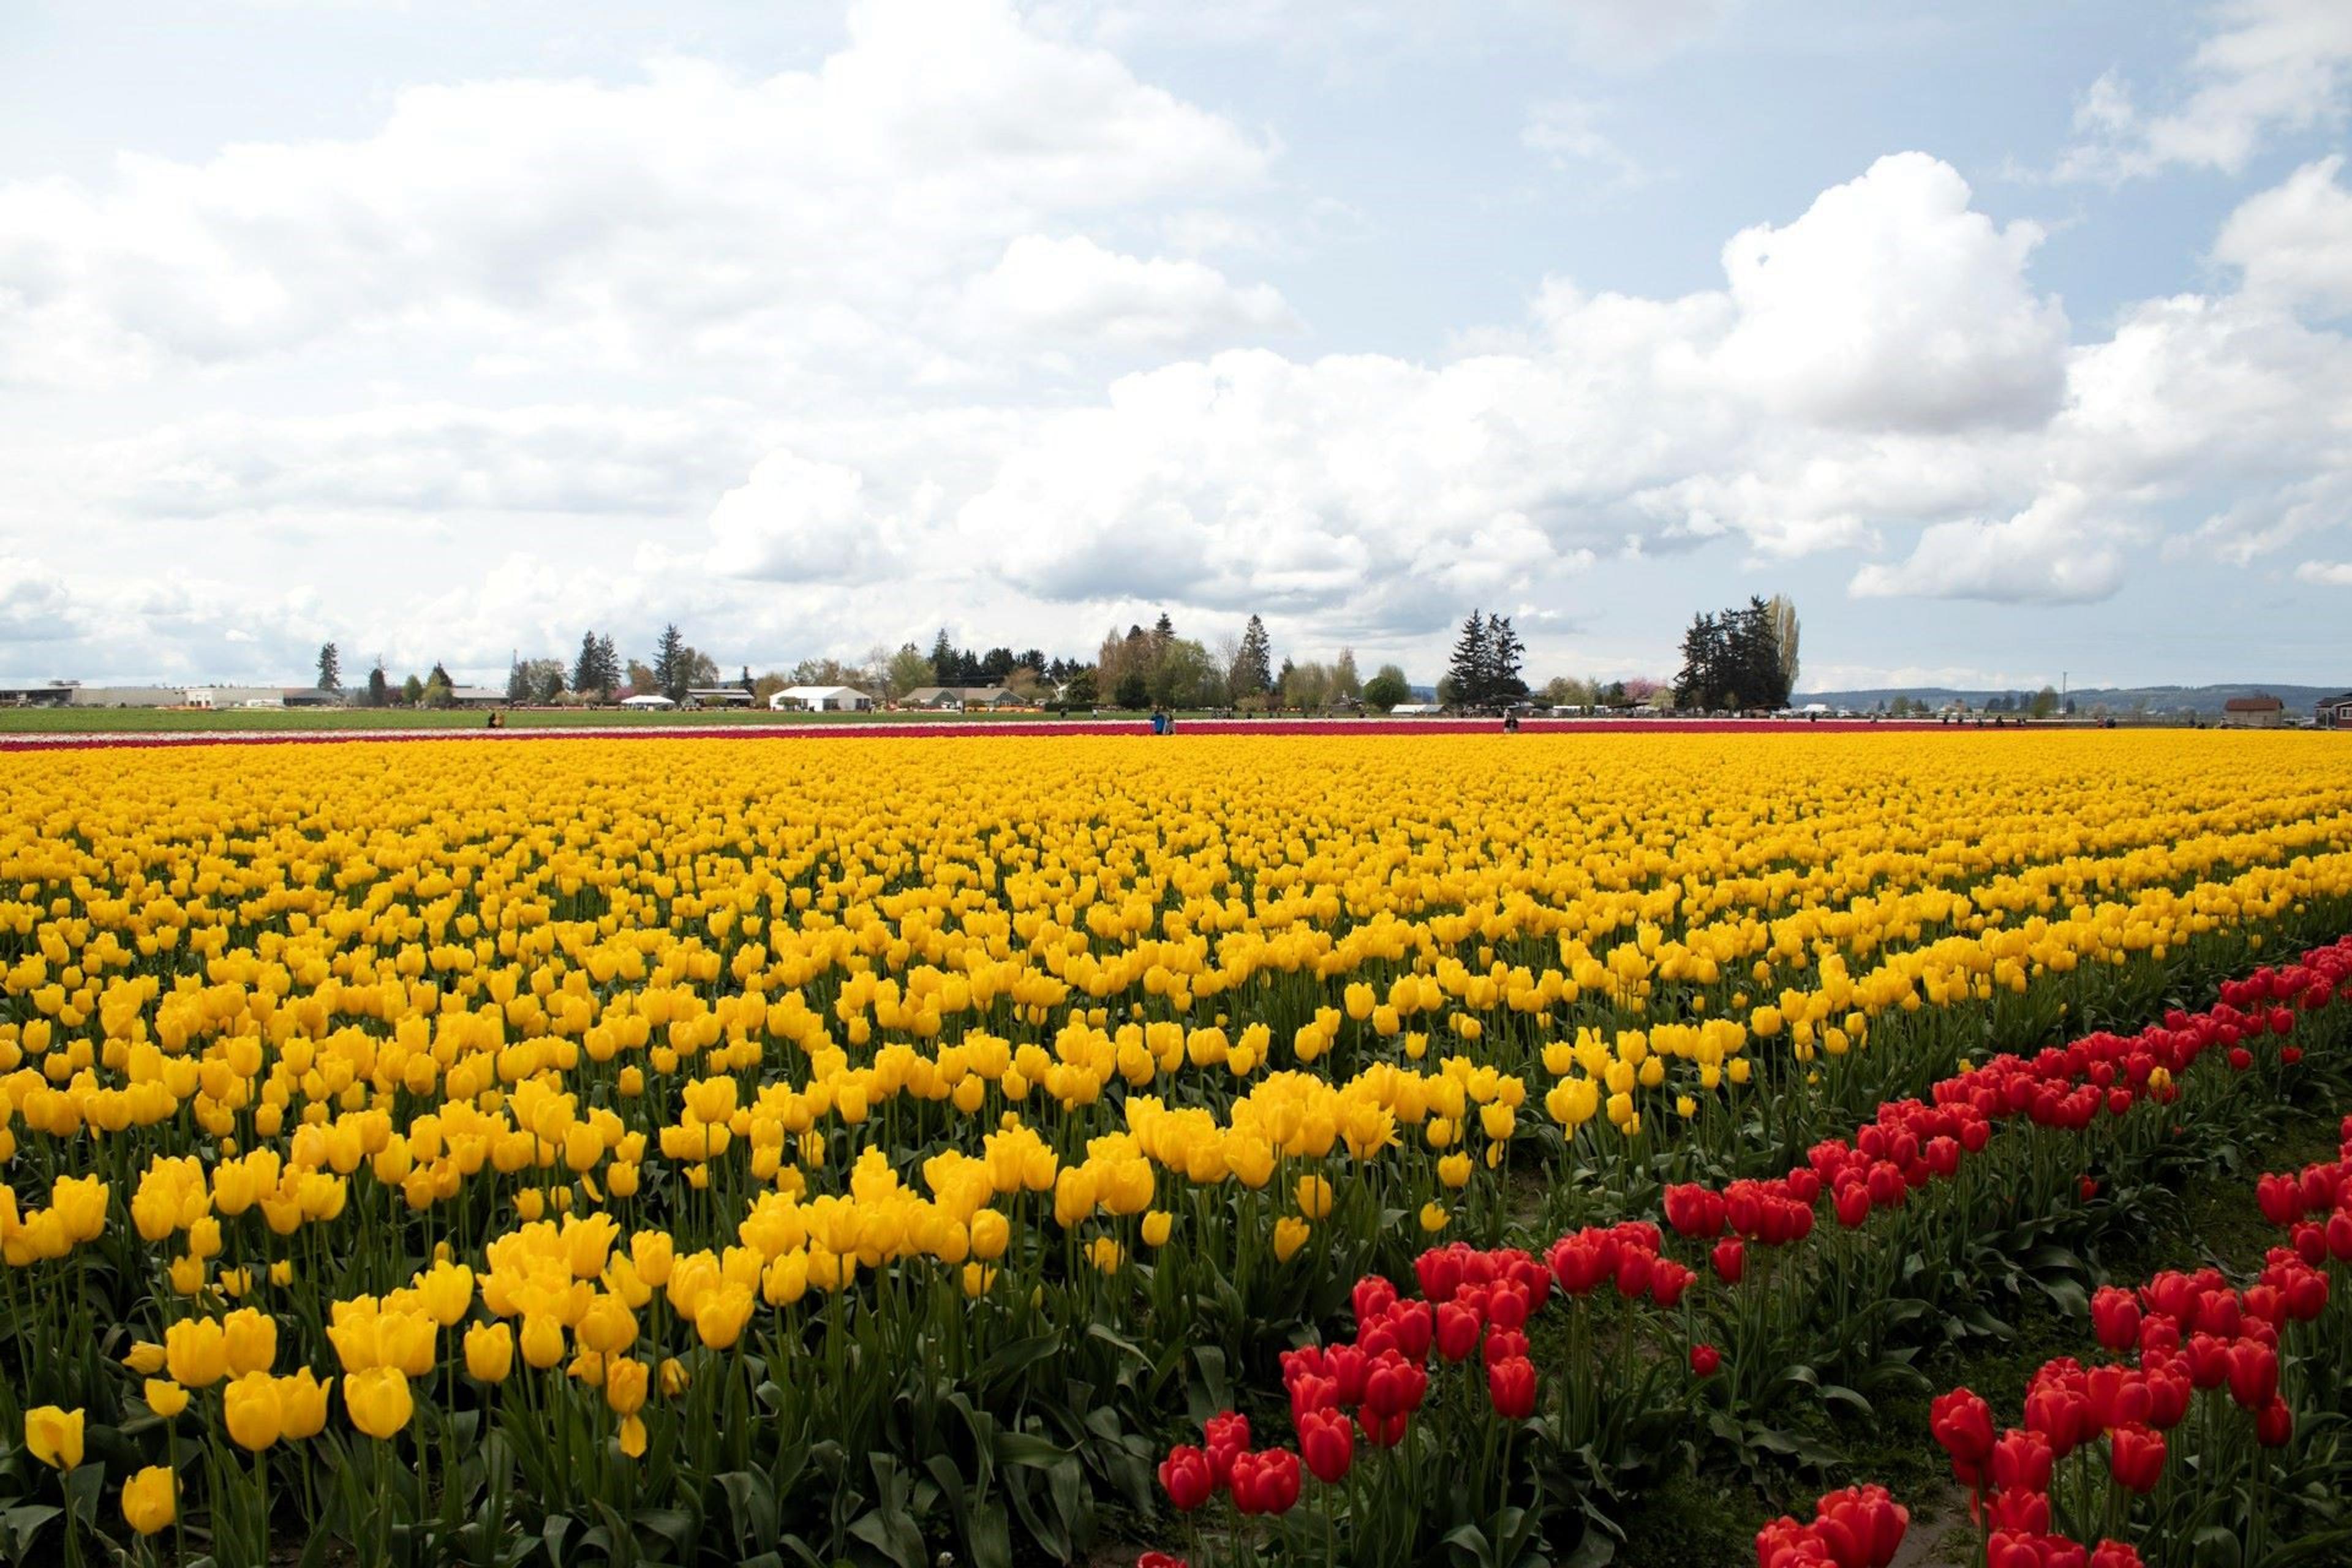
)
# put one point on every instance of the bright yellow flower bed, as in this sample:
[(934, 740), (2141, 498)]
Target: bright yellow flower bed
[(632, 1055)]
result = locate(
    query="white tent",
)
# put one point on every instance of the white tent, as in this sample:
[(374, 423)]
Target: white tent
[(651, 699)]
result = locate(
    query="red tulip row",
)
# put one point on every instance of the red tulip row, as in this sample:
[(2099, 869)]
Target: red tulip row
[(2201, 1346), (1471, 1304), (1911, 1142), (1477, 1303)]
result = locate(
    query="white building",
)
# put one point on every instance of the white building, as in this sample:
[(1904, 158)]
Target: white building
[(821, 700), (646, 702)]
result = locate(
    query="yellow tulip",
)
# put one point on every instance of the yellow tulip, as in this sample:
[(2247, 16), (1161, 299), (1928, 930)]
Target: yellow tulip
[(378, 1401), (250, 1342), (165, 1398), (54, 1436), (150, 1499), (1290, 1233), (196, 1352), (250, 1406), (302, 1403), (490, 1352)]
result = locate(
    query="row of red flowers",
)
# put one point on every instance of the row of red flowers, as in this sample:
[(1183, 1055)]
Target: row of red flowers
[(1475, 1304)]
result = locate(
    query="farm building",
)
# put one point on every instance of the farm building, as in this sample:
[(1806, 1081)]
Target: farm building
[(820, 699), (2259, 711), (956, 698), (2333, 712)]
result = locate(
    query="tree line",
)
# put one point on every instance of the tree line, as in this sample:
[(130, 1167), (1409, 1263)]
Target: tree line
[(1745, 657), (1741, 657)]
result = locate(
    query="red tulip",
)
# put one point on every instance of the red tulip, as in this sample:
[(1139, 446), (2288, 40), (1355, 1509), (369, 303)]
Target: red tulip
[(2021, 1461), (1511, 1384), (1394, 1386), (1371, 1297), (1705, 1360), (1458, 1331), (1962, 1423), (2060, 1413), (1383, 1431), (2115, 1554), (2253, 1373), (1852, 1205), (2274, 1424), (1502, 1345), (1863, 1526), (2135, 1457), (1730, 1259), (1160, 1559), (2116, 1318), (1328, 1440), (1186, 1477), (1508, 1306), (1266, 1483)]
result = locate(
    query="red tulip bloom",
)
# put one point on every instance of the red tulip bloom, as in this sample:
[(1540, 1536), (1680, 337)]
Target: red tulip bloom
[(2022, 1462), (1328, 1440), (1160, 1559), (2253, 1373), (1862, 1526), (1705, 1360), (1458, 1331), (2274, 1424), (2116, 1318), (2060, 1414), (1852, 1201), (1186, 1477), (2135, 1457), (2115, 1554), (1371, 1297), (1962, 1423), (1394, 1386), (1383, 1431), (1730, 1259), (1511, 1384), (1266, 1483)]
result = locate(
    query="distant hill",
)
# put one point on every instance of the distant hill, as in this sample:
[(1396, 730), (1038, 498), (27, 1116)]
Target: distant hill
[(2299, 700)]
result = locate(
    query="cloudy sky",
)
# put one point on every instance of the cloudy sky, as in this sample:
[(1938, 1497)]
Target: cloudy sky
[(2009, 338)]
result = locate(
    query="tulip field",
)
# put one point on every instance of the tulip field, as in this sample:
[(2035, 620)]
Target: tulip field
[(1277, 1149)]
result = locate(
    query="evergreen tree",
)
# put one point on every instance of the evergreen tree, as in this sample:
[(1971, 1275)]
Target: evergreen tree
[(608, 665), (330, 669), (1253, 671), (1468, 671), (672, 670), (518, 682), (378, 690), (1700, 684), (1504, 654), (947, 667), (1163, 631)]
